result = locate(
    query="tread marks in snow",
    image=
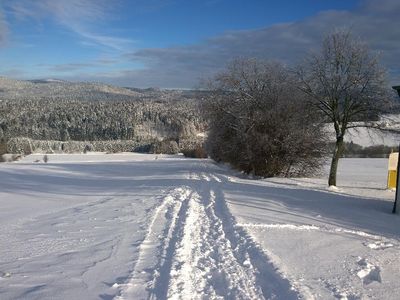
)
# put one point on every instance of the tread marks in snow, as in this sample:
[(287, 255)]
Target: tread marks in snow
[(215, 259), (194, 250), (247, 253), (148, 277)]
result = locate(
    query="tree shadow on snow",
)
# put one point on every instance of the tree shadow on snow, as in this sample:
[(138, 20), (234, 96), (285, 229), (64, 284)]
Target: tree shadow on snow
[(368, 214)]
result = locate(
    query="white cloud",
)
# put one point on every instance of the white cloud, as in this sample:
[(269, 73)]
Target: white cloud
[(80, 16), (115, 43), (61, 10)]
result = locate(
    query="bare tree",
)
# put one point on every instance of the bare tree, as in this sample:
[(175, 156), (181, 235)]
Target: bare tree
[(259, 122), (347, 85)]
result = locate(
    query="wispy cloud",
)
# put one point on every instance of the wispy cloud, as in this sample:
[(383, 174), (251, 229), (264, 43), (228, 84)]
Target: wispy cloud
[(106, 61), (78, 66), (3, 28), (63, 11), (60, 68), (15, 73), (112, 42), (80, 16)]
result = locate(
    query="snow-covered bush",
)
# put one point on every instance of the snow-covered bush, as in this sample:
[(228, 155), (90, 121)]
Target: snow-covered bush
[(190, 144), (197, 152), (27, 146), (165, 147), (260, 122), (10, 157)]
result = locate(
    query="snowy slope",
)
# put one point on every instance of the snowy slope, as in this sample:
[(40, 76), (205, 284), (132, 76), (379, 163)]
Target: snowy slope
[(131, 226), (328, 244)]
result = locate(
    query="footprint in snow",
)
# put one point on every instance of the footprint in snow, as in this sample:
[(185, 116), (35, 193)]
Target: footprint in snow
[(378, 245), (5, 274), (369, 272)]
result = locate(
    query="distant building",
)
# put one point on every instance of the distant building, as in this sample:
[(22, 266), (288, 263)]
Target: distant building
[(397, 88)]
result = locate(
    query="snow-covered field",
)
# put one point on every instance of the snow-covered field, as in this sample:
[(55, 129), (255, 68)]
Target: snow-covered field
[(130, 226)]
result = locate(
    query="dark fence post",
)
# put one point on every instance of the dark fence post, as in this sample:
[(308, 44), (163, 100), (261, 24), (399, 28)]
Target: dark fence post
[(395, 210)]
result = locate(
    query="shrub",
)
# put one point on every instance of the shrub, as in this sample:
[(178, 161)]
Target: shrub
[(198, 152), (165, 147), (260, 122)]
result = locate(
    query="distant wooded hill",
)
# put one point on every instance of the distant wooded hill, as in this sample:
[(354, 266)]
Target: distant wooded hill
[(59, 110)]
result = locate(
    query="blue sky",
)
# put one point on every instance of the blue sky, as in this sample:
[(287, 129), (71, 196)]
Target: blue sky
[(175, 43)]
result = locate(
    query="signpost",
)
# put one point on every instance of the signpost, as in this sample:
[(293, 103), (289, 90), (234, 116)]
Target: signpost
[(396, 209), (395, 206)]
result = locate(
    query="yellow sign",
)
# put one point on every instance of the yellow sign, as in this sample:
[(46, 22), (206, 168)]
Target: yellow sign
[(392, 170)]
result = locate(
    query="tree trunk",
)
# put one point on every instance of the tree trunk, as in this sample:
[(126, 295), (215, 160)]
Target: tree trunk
[(335, 160)]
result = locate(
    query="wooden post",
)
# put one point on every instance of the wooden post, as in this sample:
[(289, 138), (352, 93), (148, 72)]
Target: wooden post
[(395, 209)]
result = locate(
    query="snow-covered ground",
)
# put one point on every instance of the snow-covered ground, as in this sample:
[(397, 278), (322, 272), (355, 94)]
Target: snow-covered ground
[(130, 226)]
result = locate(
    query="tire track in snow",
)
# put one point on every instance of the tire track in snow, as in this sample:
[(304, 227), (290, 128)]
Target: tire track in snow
[(204, 263), (194, 250), (187, 276), (215, 260), (234, 275), (153, 251), (247, 253), (159, 288)]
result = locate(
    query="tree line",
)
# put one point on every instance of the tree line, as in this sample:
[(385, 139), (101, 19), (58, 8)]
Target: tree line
[(266, 118), (65, 120)]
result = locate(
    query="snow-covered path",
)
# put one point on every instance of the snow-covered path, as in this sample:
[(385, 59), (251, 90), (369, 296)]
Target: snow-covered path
[(201, 252), (158, 227)]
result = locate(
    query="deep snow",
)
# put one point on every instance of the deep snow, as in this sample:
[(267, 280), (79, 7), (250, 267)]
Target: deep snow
[(130, 226)]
